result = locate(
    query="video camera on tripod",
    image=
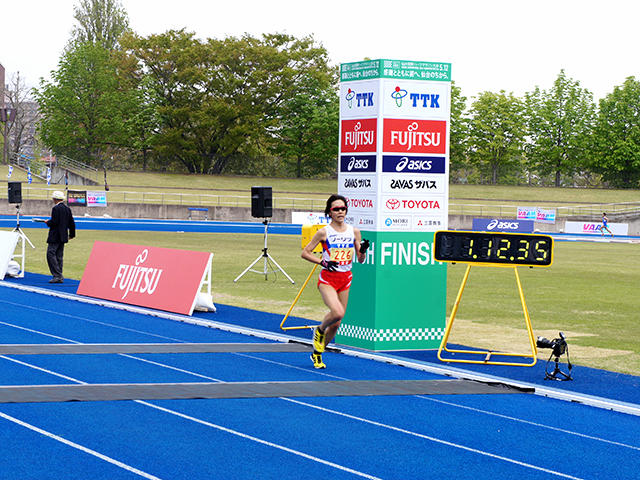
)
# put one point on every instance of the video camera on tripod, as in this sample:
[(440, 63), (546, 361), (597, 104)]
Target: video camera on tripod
[(558, 348)]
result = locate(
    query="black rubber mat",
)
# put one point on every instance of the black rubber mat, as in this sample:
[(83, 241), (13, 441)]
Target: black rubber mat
[(165, 391), (73, 348)]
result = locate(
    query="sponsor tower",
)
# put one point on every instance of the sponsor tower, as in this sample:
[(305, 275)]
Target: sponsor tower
[(394, 171)]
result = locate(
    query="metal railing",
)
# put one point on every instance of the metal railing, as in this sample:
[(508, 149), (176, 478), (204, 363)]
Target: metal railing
[(33, 164), (179, 198), (317, 204), (510, 211), (80, 168)]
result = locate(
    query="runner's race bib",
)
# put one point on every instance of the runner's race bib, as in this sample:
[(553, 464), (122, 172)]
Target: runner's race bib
[(342, 255)]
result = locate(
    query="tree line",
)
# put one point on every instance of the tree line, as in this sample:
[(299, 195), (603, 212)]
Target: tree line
[(269, 105)]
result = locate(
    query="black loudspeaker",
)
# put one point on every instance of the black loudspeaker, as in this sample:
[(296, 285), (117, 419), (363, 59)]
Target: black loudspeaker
[(261, 202), (15, 192)]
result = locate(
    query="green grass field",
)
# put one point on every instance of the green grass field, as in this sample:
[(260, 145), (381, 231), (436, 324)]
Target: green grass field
[(588, 293)]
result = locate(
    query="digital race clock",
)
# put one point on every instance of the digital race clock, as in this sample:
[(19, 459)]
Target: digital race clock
[(494, 248)]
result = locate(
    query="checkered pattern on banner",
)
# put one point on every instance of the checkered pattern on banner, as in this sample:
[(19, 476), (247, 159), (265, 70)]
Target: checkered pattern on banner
[(391, 334)]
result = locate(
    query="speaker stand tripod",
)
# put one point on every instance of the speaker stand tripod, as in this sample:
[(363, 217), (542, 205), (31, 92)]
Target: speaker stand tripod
[(24, 239), (266, 257)]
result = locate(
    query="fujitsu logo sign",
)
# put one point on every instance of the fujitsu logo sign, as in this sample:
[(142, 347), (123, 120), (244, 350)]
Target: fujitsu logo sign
[(359, 135), (136, 278), (414, 136)]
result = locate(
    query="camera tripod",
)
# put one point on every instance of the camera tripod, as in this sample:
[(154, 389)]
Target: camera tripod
[(557, 374), (266, 257), (24, 239)]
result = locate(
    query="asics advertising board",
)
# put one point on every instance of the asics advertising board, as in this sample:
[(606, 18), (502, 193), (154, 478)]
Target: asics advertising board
[(502, 225), (413, 164), (357, 163)]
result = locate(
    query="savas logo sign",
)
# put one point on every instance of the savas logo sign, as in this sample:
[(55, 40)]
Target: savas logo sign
[(358, 135), (415, 136)]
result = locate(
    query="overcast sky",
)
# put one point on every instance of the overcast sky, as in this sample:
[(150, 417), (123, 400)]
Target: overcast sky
[(492, 45)]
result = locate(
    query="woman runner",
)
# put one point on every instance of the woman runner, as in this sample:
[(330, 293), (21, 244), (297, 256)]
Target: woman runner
[(339, 243)]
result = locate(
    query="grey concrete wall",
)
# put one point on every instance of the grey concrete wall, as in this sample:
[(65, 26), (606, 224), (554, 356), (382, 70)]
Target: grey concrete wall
[(243, 214)]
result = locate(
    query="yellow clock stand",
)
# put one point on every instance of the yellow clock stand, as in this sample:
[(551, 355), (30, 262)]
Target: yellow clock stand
[(487, 354), (308, 231)]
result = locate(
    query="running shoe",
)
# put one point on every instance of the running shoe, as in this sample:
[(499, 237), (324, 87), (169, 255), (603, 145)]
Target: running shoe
[(317, 361), (318, 340)]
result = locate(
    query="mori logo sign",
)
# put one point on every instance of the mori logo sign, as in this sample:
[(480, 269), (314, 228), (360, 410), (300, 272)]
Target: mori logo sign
[(358, 135), (160, 278), (415, 136)]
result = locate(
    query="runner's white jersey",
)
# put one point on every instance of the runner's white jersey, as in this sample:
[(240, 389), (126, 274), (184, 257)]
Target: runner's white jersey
[(339, 247)]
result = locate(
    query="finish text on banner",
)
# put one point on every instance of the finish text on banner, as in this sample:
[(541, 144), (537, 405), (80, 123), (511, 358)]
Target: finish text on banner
[(154, 277)]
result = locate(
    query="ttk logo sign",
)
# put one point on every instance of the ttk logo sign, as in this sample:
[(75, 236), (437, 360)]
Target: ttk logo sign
[(362, 99), (424, 100), (411, 164), (415, 136), (411, 205), (358, 135), (357, 163)]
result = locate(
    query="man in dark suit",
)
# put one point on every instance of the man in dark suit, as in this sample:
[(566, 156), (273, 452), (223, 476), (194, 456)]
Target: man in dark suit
[(62, 227)]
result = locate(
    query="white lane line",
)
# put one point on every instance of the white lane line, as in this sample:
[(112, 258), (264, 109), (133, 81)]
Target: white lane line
[(593, 401), (77, 317), (366, 420), (183, 416), (434, 439), (77, 446), (529, 422), (486, 412), (326, 410), (259, 440), (457, 405)]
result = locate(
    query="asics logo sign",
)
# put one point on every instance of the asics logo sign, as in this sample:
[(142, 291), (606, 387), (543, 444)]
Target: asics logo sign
[(357, 163), (501, 225), (412, 164)]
